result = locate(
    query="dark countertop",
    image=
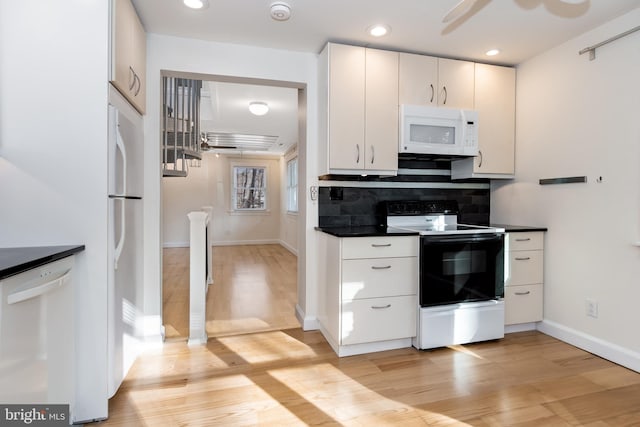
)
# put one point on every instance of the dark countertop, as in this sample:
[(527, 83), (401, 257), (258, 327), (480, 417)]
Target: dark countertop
[(365, 231), (19, 260), (518, 228)]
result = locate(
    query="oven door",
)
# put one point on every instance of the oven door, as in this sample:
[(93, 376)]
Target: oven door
[(461, 267)]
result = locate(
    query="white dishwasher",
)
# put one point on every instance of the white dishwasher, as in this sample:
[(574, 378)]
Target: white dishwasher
[(36, 335)]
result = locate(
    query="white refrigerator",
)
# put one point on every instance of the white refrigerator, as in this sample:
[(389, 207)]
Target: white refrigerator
[(125, 271)]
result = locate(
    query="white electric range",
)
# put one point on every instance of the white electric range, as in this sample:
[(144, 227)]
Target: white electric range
[(461, 285)]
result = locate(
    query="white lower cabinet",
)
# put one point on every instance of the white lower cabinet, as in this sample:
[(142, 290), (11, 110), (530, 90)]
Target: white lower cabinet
[(524, 277), (368, 292), (377, 319)]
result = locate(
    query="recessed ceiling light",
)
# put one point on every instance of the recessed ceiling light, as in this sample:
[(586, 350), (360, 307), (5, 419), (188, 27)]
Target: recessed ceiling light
[(492, 52), (258, 108), (196, 4), (378, 30)]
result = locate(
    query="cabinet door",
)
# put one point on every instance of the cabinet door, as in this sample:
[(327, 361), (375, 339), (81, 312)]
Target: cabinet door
[(378, 319), (524, 268), (139, 64), (379, 277), (523, 304), (381, 110), (495, 99), (455, 83), (121, 75), (418, 79), (346, 106)]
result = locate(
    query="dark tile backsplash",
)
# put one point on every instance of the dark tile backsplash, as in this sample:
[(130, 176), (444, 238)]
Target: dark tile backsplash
[(359, 206)]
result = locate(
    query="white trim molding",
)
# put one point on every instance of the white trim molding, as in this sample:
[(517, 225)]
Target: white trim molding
[(307, 323), (606, 350), (245, 242), (175, 245), (288, 247)]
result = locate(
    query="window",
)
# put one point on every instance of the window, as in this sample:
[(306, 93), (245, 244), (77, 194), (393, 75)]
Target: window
[(249, 188), (292, 185)]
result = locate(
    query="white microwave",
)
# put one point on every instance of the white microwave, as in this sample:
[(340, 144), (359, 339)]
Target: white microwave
[(438, 131)]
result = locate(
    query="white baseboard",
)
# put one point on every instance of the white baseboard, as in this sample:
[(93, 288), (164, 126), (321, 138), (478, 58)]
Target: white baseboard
[(289, 247), (175, 245), (606, 350), (307, 323), (246, 242), (521, 327)]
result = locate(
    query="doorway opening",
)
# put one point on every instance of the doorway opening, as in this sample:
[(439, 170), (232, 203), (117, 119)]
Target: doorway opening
[(255, 245)]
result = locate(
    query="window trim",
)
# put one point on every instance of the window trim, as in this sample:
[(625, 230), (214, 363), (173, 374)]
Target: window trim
[(233, 187), (288, 188)]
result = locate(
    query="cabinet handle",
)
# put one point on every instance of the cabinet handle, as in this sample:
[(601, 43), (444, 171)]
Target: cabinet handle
[(386, 245), (386, 267), (480, 154), (524, 258), (380, 307), (373, 154), (523, 293), (433, 93), (444, 88), (132, 78), (137, 79), (523, 240), (357, 153)]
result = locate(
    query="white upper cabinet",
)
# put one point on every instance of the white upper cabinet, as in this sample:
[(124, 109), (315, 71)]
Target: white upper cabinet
[(381, 110), (359, 110), (128, 54), (426, 80), (456, 83), (418, 79), (495, 98)]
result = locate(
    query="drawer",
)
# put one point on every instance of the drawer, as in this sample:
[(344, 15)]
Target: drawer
[(379, 247), (523, 268), (379, 277), (523, 304), (525, 241), (378, 319)]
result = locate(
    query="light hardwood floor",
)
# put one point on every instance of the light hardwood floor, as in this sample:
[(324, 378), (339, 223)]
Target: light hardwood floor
[(291, 377), (254, 289)]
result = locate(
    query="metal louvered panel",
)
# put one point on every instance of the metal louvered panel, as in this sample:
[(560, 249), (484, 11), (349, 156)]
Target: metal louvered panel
[(240, 141)]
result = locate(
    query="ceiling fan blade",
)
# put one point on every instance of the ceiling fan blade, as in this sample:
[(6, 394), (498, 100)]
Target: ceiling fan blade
[(458, 10)]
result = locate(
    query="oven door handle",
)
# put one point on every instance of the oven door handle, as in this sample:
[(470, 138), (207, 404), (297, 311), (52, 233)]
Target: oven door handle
[(473, 238)]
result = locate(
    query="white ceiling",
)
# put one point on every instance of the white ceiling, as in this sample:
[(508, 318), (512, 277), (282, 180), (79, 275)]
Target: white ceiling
[(521, 29)]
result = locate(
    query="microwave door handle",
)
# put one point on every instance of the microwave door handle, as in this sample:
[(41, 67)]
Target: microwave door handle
[(464, 127)]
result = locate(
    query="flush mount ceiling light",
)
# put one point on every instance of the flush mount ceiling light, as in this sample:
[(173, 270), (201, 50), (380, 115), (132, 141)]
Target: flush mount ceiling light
[(196, 4), (280, 11), (258, 108), (378, 30), (492, 52)]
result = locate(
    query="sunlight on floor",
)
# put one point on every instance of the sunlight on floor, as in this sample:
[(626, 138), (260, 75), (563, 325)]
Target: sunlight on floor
[(356, 400), (267, 347)]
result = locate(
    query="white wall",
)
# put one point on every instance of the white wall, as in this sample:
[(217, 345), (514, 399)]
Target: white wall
[(53, 150), (210, 185), (580, 117), (187, 55)]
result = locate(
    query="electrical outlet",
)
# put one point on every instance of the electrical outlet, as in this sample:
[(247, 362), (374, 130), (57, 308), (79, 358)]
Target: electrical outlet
[(591, 307)]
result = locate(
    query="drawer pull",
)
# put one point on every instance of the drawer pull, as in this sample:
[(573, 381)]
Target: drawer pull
[(523, 240), (386, 267), (373, 245), (523, 293), (380, 307), (524, 258)]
